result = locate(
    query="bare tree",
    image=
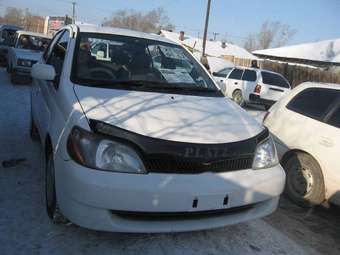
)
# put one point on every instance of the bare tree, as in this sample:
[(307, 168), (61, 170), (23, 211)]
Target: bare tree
[(13, 16), (272, 34), (152, 21), (250, 44), (24, 19)]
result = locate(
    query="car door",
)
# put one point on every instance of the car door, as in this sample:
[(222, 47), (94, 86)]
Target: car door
[(46, 93), (328, 147), (311, 127), (234, 81), (249, 79), (38, 106), (274, 86), (221, 78)]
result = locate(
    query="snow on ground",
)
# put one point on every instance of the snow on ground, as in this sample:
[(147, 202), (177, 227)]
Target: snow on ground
[(213, 48), (25, 228), (328, 50)]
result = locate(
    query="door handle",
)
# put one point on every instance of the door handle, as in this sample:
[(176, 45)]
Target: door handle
[(236, 83), (326, 141), (221, 80)]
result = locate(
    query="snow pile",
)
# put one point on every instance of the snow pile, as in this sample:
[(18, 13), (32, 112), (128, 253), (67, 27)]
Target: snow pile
[(328, 51), (213, 48)]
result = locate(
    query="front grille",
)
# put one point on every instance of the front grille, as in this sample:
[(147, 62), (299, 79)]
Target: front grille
[(152, 216), (181, 166)]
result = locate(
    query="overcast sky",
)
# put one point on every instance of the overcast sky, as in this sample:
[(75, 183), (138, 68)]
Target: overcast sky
[(235, 19)]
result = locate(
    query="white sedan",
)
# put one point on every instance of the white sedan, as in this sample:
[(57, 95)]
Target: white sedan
[(306, 128), (143, 140)]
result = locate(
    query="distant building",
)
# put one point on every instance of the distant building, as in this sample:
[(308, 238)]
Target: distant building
[(54, 23), (220, 54), (322, 54)]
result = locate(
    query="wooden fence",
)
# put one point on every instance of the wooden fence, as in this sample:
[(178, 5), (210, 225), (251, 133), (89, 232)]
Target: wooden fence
[(295, 74)]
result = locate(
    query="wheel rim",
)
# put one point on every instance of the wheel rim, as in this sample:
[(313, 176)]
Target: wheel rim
[(238, 98), (50, 188), (301, 181)]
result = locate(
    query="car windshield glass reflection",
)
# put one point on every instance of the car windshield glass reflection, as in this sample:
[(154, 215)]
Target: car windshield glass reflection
[(30, 42), (111, 60)]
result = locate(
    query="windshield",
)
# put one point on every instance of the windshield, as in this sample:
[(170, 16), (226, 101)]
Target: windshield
[(30, 42), (123, 62), (7, 36)]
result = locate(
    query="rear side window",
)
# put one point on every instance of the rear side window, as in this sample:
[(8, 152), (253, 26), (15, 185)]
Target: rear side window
[(236, 74), (223, 73), (249, 75), (274, 79), (334, 119), (314, 102)]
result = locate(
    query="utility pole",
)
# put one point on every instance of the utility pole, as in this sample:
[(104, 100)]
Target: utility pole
[(206, 29), (73, 12), (215, 35)]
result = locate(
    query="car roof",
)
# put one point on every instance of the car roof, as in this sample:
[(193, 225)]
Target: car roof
[(120, 31), (33, 33), (8, 26), (309, 84)]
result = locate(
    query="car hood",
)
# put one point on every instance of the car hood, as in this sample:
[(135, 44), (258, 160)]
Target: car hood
[(180, 118), (27, 54)]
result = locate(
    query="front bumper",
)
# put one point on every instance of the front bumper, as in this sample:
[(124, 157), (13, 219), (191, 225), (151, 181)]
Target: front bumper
[(164, 202), (256, 99)]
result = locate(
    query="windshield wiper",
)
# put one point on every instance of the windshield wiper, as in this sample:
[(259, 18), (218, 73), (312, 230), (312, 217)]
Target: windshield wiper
[(159, 85)]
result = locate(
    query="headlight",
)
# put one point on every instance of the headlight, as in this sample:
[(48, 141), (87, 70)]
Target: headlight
[(24, 62), (265, 155), (97, 152)]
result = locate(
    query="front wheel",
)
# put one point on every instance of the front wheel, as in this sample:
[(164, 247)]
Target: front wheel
[(14, 77), (304, 180), (8, 68), (52, 207), (238, 97)]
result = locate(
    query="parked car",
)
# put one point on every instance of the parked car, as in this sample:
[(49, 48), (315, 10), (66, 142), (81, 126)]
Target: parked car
[(27, 49), (7, 33), (221, 78), (256, 86), (306, 128), (135, 147)]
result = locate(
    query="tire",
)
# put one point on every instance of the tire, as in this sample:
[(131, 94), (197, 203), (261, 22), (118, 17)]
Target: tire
[(34, 134), (14, 78), (52, 207), (8, 68), (304, 180), (238, 97)]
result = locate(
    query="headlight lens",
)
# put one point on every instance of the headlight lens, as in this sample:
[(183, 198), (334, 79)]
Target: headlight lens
[(97, 152), (265, 155), (24, 62)]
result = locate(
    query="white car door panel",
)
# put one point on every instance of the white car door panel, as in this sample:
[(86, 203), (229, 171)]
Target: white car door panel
[(234, 81)]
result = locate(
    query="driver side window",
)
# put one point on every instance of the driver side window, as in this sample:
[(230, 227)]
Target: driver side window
[(57, 55)]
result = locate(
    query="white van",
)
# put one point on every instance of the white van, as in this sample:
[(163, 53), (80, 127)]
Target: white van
[(255, 86), (132, 145)]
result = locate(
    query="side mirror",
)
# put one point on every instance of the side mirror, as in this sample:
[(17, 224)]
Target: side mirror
[(43, 72)]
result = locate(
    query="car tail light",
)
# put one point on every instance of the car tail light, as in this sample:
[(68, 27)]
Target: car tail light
[(257, 89)]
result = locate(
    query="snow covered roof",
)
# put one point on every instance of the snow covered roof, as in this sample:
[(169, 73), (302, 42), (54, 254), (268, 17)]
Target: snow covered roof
[(213, 49), (326, 51), (120, 31)]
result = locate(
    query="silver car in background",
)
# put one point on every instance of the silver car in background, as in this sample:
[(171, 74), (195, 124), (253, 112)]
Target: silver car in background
[(26, 50)]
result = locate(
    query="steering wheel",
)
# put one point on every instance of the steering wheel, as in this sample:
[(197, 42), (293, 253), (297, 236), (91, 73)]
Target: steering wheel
[(102, 73)]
